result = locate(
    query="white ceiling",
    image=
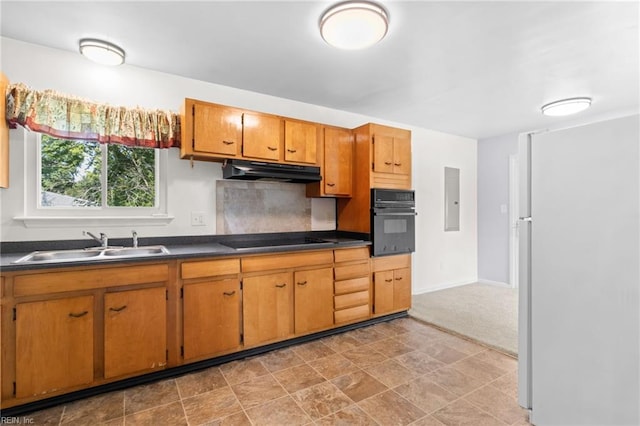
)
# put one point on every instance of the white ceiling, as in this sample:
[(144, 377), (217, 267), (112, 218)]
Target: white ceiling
[(475, 69)]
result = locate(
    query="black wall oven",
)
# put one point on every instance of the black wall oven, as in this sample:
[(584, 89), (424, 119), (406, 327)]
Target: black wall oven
[(393, 221)]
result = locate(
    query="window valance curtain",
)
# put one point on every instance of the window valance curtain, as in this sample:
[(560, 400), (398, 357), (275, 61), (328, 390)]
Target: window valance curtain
[(68, 117)]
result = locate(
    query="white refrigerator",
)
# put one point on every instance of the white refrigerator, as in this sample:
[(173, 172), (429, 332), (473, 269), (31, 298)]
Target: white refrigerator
[(579, 322)]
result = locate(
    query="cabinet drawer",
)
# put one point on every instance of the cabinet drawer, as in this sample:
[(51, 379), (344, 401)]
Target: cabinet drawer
[(210, 268), (391, 262), (351, 271), (347, 255), (351, 314), (352, 299), (351, 286), (286, 261), (85, 279)]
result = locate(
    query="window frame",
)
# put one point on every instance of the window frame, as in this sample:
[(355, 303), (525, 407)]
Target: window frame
[(36, 215)]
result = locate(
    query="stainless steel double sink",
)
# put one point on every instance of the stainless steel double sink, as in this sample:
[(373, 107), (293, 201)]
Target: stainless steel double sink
[(98, 253)]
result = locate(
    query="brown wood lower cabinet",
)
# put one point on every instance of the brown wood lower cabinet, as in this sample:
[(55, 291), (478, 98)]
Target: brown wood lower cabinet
[(54, 345), (313, 300), (392, 284), (211, 318), (135, 331), (211, 307), (67, 329), (267, 308)]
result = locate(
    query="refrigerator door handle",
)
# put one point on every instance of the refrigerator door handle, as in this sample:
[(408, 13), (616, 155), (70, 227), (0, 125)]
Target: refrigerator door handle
[(525, 219)]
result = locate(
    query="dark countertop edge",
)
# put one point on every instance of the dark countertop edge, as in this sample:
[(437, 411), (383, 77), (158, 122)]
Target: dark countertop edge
[(188, 247)]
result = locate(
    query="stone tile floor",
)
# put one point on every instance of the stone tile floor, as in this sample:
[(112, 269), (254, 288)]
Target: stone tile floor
[(401, 372)]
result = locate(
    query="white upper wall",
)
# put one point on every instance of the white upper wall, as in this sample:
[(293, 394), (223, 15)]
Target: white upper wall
[(493, 206), (443, 258)]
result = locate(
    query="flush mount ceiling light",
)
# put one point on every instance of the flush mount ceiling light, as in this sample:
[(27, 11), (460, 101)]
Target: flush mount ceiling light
[(101, 52), (354, 25), (566, 107)]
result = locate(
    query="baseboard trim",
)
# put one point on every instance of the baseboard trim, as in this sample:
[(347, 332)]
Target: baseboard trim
[(497, 283), (444, 286)]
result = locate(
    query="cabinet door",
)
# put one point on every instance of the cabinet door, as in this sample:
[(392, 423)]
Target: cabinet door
[(313, 299), (135, 331), (383, 292), (402, 289), (54, 345), (300, 142), (211, 317), (402, 156), (338, 160), (382, 154), (267, 308), (261, 137), (216, 130)]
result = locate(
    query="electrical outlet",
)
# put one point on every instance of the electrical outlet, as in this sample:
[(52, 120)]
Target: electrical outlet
[(197, 219)]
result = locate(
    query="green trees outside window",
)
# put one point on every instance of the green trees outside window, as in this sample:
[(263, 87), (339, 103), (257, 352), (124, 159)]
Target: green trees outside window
[(87, 174)]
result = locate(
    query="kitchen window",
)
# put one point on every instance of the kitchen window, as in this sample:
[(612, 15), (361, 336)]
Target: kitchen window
[(70, 182)]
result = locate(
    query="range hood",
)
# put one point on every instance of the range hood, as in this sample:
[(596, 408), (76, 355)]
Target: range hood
[(274, 172)]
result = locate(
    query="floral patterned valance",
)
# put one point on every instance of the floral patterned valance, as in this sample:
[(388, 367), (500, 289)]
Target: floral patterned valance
[(69, 117)]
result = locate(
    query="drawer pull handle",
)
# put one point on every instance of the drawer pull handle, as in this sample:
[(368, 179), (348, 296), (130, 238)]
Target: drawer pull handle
[(292, 150), (302, 283), (229, 293), (397, 164), (331, 184), (398, 279), (281, 285), (388, 163), (388, 280), (121, 308), (81, 314), (271, 148), (228, 142)]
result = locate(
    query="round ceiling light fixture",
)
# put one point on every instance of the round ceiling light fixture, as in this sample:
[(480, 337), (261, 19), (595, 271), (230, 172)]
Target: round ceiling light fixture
[(102, 52), (566, 107), (354, 25)]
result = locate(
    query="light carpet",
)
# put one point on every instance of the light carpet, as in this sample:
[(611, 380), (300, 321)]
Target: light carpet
[(482, 312)]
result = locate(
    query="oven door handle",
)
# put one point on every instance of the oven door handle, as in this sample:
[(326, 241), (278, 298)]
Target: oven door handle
[(378, 213)]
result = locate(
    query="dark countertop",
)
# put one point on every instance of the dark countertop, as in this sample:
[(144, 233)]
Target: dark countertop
[(182, 247)]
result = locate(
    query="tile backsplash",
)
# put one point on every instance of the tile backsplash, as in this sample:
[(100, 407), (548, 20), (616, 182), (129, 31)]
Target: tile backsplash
[(247, 207)]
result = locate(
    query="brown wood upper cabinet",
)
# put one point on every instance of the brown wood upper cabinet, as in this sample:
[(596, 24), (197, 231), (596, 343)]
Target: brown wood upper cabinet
[(336, 158), (217, 132), (300, 142), (261, 136), (391, 154), (210, 130)]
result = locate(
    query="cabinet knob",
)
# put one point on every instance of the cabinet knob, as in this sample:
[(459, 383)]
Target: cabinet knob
[(81, 314), (281, 285), (121, 308), (292, 150), (302, 283), (228, 142), (331, 184), (397, 164), (229, 293), (388, 280), (398, 279), (388, 163), (272, 148)]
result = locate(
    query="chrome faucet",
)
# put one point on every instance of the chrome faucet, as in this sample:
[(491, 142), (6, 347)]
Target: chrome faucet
[(134, 235), (103, 240)]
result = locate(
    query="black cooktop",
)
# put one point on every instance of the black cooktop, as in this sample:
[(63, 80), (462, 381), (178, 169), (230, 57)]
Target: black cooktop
[(239, 245)]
